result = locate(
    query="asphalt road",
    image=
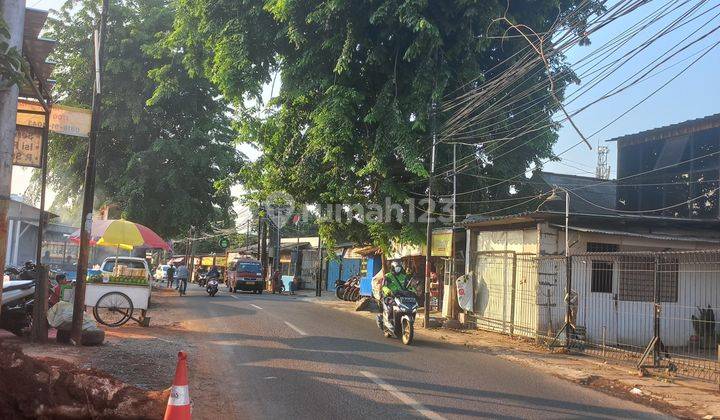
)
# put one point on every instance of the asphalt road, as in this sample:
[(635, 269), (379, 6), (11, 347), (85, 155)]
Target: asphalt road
[(277, 357)]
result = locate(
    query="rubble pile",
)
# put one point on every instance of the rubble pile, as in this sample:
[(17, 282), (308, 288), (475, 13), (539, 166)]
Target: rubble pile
[(55, 389)]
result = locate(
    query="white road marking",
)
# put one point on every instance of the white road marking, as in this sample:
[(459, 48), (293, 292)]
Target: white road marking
[(234, 297), (402, 396), (255, 306), (297, 330)]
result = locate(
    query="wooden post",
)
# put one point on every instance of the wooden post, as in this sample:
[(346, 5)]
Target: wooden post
[(39, 328), (89, 190), (39, 331)]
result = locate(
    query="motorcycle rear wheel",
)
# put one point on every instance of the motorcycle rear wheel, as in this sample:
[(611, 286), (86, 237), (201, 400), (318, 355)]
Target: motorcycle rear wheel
[(339, 291), (408, 331)]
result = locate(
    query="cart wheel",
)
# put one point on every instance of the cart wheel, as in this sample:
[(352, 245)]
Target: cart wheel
[(113, 309)]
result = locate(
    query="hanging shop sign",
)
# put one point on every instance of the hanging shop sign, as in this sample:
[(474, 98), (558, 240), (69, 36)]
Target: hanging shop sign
[(218, 261), (63, 119), (442, 244), (28, 146)]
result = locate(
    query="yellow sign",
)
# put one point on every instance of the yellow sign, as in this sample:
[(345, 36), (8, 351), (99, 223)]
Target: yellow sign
[(28, 147), (219, 261), (63, 119), (441, 244), (70, 121)]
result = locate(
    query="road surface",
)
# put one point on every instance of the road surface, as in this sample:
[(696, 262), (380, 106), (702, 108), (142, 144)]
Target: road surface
[(278, 357)]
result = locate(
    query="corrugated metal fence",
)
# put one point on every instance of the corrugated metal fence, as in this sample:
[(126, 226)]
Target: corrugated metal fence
[(652, 308)]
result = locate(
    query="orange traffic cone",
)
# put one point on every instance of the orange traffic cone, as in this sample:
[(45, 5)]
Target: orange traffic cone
[(178, 406)]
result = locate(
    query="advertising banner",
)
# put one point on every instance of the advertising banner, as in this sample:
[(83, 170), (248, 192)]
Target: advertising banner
[(465, 292)]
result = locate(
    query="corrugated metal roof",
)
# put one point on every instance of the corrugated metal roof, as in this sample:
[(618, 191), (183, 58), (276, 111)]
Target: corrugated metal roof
[(669, 237)]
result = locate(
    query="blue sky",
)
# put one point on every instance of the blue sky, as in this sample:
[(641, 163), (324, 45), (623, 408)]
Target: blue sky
[(694, 94)]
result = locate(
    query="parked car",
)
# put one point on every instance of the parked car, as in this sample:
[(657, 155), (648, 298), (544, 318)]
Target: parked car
[(161, 272), (245, 274)]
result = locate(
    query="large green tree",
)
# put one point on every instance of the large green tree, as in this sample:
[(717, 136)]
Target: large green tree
[(165, 153), (352, 120), (10, 59)]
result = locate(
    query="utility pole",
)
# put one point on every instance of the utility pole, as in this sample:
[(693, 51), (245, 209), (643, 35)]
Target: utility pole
[(13, 11), (276, 256), (259, 235), (247, 235), (192, 253), (451, 300), (428, 232), (318, 284), (89, 190), (264, 247), (39, 329)]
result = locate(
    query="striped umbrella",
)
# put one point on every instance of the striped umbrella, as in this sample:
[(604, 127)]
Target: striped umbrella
[(122, 234)]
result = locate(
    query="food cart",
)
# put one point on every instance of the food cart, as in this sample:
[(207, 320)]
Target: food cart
[(115, 296)]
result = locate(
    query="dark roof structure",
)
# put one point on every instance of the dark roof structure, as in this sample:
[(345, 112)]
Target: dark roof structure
[(672, 130), (587, 195), (36, 50)]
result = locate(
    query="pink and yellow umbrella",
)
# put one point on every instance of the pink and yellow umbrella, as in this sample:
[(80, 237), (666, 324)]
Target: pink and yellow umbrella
[(122, 234)]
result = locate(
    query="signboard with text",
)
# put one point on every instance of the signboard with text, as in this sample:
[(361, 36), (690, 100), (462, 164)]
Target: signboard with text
[(63, 119), (442, 244), (28, 146)]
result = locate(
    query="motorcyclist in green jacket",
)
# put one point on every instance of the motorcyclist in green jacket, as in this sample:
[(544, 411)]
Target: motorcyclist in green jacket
[(396, 280)]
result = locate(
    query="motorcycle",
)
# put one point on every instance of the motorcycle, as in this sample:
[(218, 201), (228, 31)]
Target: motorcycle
[(202, 279), (17, 306), (398, 316), (212, 286), (339, 288), (351, 290)]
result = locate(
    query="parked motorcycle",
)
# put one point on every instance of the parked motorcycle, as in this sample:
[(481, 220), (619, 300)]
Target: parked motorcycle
[(17, 306), (398, 316), (212, 286), (351, 289), (339, 288)]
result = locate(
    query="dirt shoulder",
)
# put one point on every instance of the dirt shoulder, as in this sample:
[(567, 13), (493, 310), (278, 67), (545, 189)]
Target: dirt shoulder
[(680, 397), (134, 364)]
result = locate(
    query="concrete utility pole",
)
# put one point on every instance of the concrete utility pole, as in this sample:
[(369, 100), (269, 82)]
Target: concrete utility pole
[(259, 235), (276, 257), (89, 191), (318, 284), (13, 11), (264, 248), (247, 235), (429, 219)]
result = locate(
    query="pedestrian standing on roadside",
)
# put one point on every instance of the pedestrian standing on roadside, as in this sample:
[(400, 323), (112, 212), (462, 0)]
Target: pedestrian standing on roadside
[(182, 275), (170, 275)]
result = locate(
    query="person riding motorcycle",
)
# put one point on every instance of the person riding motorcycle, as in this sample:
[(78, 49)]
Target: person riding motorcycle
[(214, 272), (396, 280)]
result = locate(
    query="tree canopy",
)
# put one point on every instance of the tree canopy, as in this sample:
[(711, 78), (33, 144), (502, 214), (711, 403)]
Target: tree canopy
[(165, 153), (10, 59), (352, 121)]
